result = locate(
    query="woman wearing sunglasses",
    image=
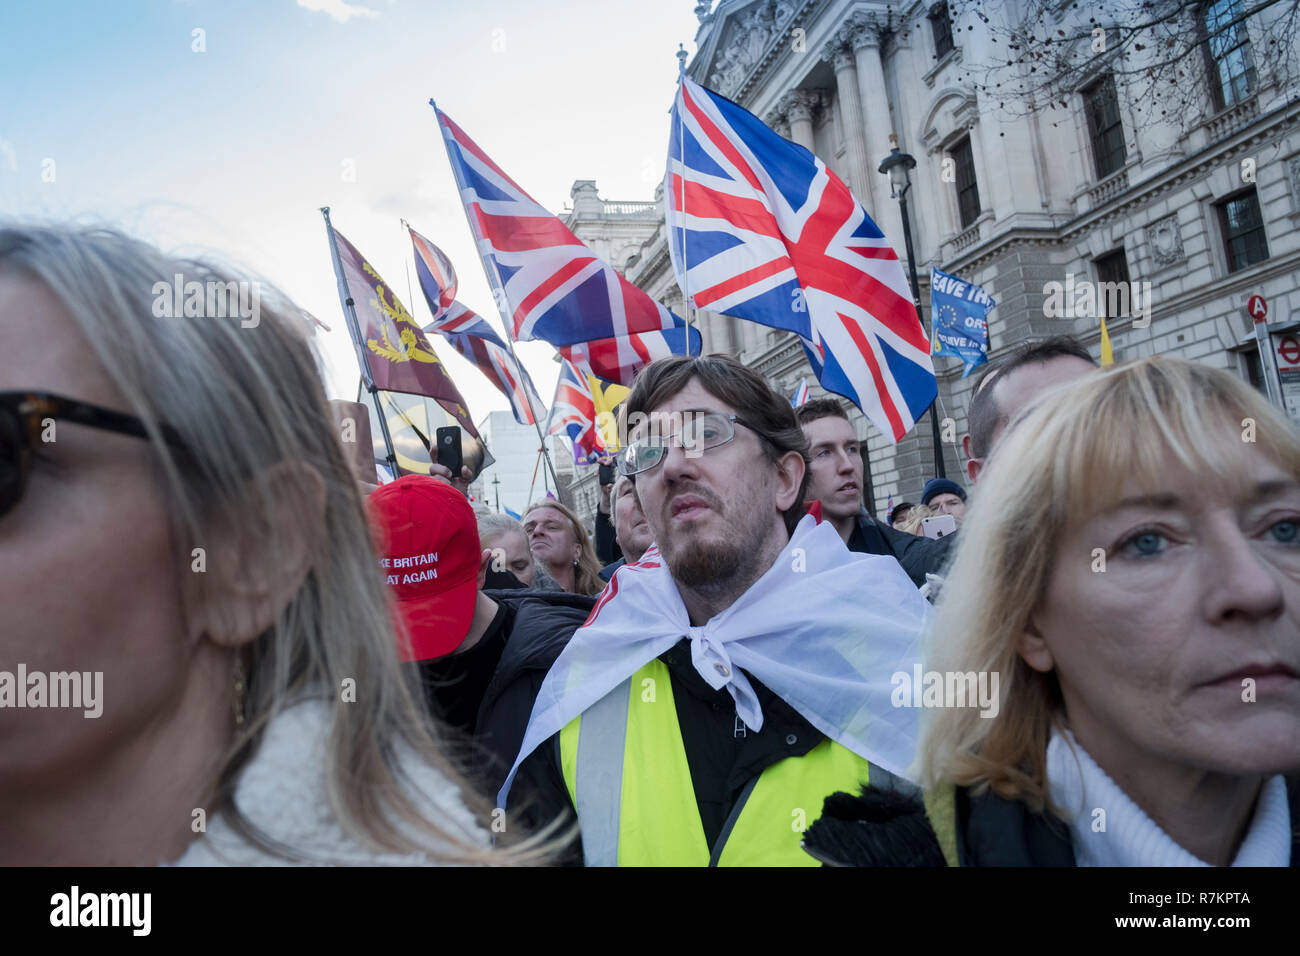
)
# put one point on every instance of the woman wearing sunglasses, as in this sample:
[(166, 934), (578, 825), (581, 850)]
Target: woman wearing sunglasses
[(178, 527)]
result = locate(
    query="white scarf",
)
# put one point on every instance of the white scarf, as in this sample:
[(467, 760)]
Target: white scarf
[(824, 628)]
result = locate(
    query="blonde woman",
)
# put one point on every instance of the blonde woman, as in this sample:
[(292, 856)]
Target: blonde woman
[(179, 530), (562, 547), (912, 522), (1130, 573)]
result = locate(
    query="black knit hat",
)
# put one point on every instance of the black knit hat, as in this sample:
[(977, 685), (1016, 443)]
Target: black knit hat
[(941, 486)]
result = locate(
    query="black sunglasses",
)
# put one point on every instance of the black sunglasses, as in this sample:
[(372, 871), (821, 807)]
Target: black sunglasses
[(22, 419)]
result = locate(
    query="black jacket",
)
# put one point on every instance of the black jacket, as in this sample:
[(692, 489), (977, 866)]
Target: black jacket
[(540, 625), (889, 828), (605, 540), (722, 754), (608, 570), (917, 555)]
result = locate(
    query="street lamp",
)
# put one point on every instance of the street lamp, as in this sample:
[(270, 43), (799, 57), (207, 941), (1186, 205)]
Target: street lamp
[(496, 486), (896, 166)]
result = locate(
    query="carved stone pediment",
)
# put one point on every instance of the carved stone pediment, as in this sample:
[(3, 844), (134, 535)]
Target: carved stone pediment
[(744, 38)]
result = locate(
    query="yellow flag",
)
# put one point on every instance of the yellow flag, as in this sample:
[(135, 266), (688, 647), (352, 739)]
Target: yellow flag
[(1107, 358), (607, 396)]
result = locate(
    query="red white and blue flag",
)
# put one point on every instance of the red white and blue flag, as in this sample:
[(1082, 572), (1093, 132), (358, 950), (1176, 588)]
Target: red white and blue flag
[(574, 413), (761, 229), (470, 334), (549, 285), (478, 342), (800, 395), (437, 275)]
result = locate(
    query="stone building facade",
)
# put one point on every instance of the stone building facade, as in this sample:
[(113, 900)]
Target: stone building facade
[(1204, 209)]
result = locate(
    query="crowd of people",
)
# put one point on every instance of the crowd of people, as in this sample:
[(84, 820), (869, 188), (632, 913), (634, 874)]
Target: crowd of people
[(1087, 655)]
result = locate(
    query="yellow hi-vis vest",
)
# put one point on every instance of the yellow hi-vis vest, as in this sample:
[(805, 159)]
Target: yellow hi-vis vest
[(628, 777)]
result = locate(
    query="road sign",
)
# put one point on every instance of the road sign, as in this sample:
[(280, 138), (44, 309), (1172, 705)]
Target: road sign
[(1288, 351), (1288, 374), (1257, 308)]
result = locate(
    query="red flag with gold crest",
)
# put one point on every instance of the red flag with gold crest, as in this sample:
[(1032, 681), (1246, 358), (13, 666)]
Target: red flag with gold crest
[(397, 355)]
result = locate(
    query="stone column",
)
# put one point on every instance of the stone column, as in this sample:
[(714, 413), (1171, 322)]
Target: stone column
[(748, 335), (865, 39), (839, 52), (884, 209), (798, 106)]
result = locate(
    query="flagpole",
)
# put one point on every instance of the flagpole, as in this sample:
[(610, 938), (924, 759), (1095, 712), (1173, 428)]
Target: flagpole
[(681, 159), (498, 292), (533, 484), (542, 451), (350, 314)]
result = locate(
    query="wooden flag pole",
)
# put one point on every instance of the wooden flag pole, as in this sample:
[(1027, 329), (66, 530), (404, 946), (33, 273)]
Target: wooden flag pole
[(354, 327)]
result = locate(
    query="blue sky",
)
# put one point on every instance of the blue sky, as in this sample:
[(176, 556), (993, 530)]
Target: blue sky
[(232, 150)]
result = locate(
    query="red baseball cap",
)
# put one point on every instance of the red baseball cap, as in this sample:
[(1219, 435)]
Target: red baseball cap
[(428, 545)]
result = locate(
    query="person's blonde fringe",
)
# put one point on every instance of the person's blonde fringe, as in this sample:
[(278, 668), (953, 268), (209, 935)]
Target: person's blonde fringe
[(245, 399), (1060, 462)]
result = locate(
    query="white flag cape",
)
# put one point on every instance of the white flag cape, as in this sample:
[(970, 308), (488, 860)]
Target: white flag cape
[(825, 629)]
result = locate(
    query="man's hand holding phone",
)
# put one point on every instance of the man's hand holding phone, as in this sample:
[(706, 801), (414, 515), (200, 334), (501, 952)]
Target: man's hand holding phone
[(443, 473)]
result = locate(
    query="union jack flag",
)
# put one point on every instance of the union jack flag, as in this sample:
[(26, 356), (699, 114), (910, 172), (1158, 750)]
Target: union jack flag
[(437, 275), (549, 285), (761, 229), (470, 333), (800, 395), (574, 413), (619, 358), (478, 342)]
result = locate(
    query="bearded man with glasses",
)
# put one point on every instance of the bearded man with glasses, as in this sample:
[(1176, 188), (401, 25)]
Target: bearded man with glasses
[(740, 667)]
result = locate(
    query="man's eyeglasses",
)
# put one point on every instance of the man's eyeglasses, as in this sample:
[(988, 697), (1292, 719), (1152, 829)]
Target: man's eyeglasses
[(22, 421), (699, 432)]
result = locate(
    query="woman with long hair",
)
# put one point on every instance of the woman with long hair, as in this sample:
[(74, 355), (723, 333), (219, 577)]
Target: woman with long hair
[(178, 525), (562, 546), (1123, 623)]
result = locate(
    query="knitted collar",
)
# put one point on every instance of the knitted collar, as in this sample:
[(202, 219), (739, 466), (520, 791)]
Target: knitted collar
[(1131, 838), (282, 792)]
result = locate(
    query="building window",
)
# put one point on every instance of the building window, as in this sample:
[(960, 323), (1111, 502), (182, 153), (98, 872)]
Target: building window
[(968, 194), (1243, 231), (1112, 268), (1227, 52), (1102, 107), (941, 26)]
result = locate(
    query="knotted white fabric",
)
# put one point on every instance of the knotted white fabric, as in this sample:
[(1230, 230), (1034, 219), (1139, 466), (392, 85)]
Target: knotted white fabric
[(824, 628)]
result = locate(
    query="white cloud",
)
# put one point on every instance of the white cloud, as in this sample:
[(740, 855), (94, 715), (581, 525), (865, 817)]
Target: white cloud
[(340, 10), (9, 154)]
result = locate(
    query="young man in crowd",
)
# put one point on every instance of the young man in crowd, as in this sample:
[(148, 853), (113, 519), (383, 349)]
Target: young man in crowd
[(733, 666), (835, 479)]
